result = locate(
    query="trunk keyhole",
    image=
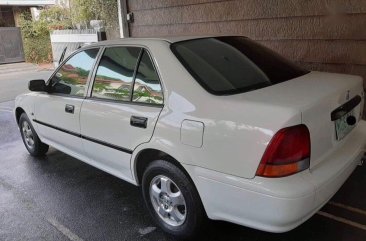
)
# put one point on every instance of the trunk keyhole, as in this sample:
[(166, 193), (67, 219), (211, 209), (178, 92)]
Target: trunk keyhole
[(351, 120)]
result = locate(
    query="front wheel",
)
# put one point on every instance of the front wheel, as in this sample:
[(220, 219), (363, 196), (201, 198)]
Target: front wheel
[(30, 138), (172, 199)]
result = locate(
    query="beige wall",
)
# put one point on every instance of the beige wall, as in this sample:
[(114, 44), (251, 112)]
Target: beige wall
[(318, 34)]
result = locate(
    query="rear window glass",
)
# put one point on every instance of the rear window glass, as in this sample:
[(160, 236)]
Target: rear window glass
[(230, 65)]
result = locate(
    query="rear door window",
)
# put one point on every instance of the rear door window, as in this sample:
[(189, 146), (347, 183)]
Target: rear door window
[(114, 77), (147, 87)]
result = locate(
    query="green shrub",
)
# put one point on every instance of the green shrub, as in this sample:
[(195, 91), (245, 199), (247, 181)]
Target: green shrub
[(38, 49), (82, 11), (56, 18), (36, 34)]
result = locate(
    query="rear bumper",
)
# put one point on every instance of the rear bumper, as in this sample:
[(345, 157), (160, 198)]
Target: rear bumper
[(279, 204)]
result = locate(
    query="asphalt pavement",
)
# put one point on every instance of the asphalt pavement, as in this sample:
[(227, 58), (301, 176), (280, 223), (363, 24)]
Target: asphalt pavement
[(58, 197), (15, 83)]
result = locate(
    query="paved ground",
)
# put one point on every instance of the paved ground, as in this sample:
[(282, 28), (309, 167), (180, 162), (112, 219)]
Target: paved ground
[(60, 198), (17, 67), (15, 81)]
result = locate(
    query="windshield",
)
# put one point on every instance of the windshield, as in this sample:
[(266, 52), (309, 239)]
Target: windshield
[(230, 65)]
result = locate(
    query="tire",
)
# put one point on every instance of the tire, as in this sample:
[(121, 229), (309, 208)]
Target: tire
[(191, 215), (30, 138)]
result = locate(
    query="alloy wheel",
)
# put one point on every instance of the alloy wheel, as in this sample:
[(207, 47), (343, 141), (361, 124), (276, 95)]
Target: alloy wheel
[(168, 200)]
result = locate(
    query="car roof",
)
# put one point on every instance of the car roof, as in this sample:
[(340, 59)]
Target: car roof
[(170, 39)]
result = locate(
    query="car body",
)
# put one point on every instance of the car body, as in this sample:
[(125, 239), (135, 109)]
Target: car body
[(216, 138)]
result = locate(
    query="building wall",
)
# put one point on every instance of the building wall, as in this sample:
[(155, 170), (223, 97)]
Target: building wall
[(327, 35)]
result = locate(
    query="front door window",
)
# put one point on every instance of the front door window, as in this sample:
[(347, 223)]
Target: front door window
[(72, 77)]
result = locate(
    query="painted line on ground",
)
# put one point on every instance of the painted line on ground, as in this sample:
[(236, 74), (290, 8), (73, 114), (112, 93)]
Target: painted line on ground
[(147, 230), (20, 195), (349, 208), (65, 231), (342, 220)]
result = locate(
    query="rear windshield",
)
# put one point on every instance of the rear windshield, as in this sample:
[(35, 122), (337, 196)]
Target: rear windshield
[(230, 65)]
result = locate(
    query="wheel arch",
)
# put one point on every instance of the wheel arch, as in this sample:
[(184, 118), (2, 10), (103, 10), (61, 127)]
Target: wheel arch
[(148, 155), (18, 112)]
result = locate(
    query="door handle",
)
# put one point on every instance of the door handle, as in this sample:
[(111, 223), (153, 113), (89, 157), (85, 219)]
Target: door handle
[(69, 109), (138, 121)]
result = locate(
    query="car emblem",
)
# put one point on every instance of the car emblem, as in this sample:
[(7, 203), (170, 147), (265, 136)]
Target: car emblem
[(347, 95)]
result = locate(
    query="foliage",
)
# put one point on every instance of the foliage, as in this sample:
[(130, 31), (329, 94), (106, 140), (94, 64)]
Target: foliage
[(36, 40), (38, 50), (82, 72), (56, 17), (100, 86), (82, 11), (36, 34), (31, 29)]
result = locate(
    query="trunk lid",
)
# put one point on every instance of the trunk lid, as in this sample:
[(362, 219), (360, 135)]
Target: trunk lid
[(333, 91), (316, 95)]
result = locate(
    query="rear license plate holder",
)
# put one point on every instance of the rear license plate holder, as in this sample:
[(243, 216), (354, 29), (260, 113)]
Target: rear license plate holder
[(341, 126)]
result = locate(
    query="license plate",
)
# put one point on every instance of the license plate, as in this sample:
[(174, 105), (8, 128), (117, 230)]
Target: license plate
[(341, 126)]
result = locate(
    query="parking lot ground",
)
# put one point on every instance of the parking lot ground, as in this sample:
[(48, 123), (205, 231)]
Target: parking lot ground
[(60, 198)]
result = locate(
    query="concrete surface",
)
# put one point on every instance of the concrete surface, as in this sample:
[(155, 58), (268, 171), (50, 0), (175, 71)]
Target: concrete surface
[(15, 83), (17, 67)]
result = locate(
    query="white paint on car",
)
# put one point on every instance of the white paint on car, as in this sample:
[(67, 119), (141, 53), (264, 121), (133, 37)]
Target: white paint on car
[(219, 140)]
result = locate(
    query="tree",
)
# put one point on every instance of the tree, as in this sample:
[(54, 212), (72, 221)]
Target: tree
[(56, 17), (83, 11), (36, 34)]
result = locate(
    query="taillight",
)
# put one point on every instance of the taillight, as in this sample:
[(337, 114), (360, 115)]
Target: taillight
[(287, 153)]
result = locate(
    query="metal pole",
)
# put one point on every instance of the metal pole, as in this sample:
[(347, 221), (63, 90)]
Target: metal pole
[(122, 19)]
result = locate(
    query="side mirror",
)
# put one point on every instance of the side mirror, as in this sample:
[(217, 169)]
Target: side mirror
[(37, 85)]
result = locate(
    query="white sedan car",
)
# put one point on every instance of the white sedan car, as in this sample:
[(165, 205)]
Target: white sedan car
[(217, 127)]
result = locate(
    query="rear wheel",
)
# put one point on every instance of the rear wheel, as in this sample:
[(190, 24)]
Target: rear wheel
[(30, 138), (172, 199)]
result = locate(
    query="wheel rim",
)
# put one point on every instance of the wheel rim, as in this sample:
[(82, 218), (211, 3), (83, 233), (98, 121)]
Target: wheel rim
[(168, 201), (28, 135)]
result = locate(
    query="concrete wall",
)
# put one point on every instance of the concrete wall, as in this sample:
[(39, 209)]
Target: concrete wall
[(325, 35)]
